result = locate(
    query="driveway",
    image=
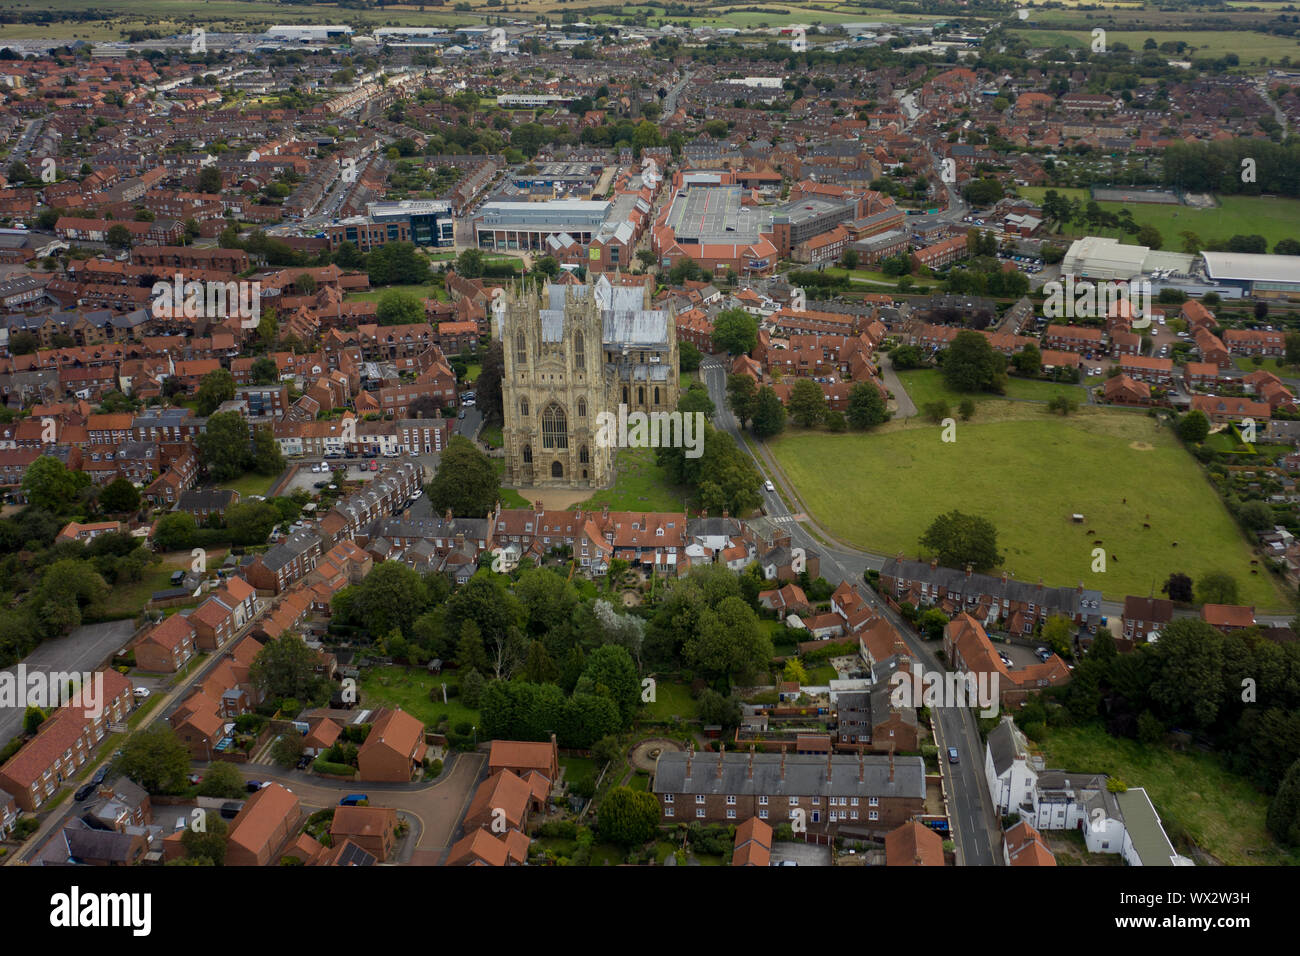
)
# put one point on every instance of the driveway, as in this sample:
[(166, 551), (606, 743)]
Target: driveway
[(83, 650), (906, 407), (802, 854)]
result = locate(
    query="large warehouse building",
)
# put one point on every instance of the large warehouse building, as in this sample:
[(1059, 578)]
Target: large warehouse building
[(1105, 259), (1263, 276)]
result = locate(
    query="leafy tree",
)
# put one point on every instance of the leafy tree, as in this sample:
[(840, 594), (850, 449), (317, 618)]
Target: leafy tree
[(713, 708), (628, 817), (769, 414), (471, 689), (250, 522), (807, 403), (1150, 236), (937, 411), (466, 482), (208, 845), (397, 263), (610, 672), (33, 717), (794, 671), (209, 180), (1058, 634), (958, 539), (966, 409), (1217, 587), (264, 371), (1283, 818), (688, 357), (119, 496), (1194, 427), (266, 457), (156, 759), (696, 399), (396, 307), (49, 485), (223, 446), (735, 331), (932, 622), (217, 386), (221, 779), (1028, 361), (728, 641), (1256, 515), (469, 650), (742, 397), (971, 365), (175, 531), (286, 667), (287, 749), (866, 407), (904, 357), (390, 598), (119, 237), (1178, 588), (1188, 673)]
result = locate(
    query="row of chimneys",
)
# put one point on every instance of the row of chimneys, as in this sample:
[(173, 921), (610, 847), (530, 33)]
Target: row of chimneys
[(749, 775)]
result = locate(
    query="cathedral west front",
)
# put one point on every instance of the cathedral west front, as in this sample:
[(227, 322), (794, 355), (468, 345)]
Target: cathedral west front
[(573, 352)]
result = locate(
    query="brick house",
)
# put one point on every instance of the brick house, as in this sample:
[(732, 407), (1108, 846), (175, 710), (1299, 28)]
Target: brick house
[(371, 828), (263, 827), (168, 646), (967, 647), (1143, 619), (394, 750)]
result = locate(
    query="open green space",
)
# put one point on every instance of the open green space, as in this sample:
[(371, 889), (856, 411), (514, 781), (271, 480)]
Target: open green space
[(1202, 44), (671, 700), (430, 291), (1028, 472), (1277, 366), (409, 689), (1192, 792), (640, 485), (1272, 218), (129, 598), (251, 483), (925, 385)]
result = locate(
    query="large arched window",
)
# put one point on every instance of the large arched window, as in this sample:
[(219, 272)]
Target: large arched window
[(582, 455), (523, 407), (555, 427), (640, 395), (528, 454), (582, 408), (624, 394), (579, 351), (656, 394), (521, 349)]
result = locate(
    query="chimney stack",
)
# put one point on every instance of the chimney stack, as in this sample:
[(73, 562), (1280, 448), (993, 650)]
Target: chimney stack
[(750, 775), (783, 761), (690, 756), (830, 766), (862, 766), (934, 563), (969, 569), (447, 516), (891, 764), (722, 752)]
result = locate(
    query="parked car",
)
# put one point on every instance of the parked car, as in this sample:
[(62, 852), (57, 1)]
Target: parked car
[(768, 486), (354, 799), (140, 693), (374, 466), (952, 754), (254, 785), (85, 790), (230, 809)]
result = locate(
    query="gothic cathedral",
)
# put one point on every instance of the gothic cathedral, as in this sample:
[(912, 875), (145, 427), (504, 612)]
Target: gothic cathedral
[(571, 352)]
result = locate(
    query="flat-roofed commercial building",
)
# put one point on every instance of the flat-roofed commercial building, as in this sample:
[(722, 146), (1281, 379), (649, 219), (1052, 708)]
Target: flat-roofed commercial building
[(527, 225), (1263, 276), (425, 222)]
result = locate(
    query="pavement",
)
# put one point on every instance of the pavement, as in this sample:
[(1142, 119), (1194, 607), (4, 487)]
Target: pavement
[(85, 649)]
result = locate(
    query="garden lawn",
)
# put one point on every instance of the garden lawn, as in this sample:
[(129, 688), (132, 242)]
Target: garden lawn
[(409, 689), (640, 485), (925, 385), (250, 484), (1194, 795), (1277, 366), (127, 600), (1028, 472), (671, 700)]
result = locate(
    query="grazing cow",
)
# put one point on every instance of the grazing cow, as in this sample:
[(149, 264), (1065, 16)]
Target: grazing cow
[(1175, 544), (1098, 541), (1113, 558), (1147, 526)]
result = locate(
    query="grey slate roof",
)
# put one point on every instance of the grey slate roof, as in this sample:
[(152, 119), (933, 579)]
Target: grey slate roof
[(1068, 601), (297, 543), (805, 775), (1005, 743)]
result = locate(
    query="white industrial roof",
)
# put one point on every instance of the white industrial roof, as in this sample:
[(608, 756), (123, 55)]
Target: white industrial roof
[(1251, 266)]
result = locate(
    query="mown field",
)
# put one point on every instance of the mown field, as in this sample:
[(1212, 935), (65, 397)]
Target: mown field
[(927, 385), (1272, 218), (1248, 45), (1028, 472)]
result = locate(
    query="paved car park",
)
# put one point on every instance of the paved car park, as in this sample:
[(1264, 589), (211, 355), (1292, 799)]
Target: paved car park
[(800, 854)]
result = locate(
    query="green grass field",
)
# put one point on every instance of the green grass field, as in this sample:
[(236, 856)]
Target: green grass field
[(927, 385), (1273, 219), (1221, 813), (671, 700), (409, 689), (641, 485), (1028, 472), (1248, 46), (251, 484)]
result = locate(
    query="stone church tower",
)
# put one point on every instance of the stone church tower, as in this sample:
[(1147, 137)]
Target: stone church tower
[(571, 353)]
